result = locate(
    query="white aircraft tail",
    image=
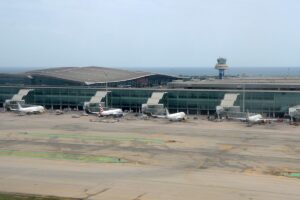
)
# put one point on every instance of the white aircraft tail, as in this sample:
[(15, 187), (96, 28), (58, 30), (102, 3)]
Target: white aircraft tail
[(248, 115), (167, 112), (100, 109), (19, 106)]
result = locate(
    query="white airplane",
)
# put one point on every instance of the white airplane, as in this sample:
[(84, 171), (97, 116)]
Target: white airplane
[(113, 112), (180, 116), (255, 119), (30, 109)]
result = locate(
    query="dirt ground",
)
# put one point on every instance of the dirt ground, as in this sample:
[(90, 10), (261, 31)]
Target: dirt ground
[(138, 159)]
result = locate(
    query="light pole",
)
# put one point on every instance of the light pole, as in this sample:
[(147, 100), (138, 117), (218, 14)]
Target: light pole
[(106, 97), (244, 98)]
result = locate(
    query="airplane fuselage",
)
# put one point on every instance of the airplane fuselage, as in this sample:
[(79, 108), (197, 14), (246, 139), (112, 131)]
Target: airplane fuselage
[(112, 112), (177, 116), (256, 119), (32, 109)]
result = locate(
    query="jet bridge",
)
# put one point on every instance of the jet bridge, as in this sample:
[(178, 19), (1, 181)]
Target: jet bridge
[(17, 98), (294, 113), (155, 98), (229, 99), (21, 94), (153, 106), (93, 104), (227, 104)]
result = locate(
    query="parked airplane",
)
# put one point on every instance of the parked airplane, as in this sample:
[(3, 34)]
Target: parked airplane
[(255, 119), (30, 109), (113, 112), (180, 116)]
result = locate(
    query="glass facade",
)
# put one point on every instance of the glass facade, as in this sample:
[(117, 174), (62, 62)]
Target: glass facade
[(272, 103)]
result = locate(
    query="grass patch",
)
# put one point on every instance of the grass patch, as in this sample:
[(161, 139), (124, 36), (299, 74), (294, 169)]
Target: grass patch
[(94, 138), (10, 196), (292, 174), (62, 156)]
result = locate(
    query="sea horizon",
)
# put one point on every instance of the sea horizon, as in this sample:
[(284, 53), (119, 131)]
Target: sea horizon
[(191, 71)]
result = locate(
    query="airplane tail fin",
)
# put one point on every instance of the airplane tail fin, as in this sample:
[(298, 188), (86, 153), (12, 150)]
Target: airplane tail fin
[(248, 115), (100, 108), (167, 112), (19, 106), (248, 119)]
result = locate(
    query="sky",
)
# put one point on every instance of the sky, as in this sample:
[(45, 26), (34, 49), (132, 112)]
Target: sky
[(149, 33)]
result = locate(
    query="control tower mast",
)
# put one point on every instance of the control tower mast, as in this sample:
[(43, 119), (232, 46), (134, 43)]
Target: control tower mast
[(221, 66)]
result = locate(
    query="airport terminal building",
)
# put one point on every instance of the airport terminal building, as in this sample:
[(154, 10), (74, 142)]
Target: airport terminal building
[(71, 87)]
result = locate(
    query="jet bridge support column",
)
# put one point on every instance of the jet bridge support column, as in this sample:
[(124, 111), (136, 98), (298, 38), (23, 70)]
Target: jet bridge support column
[(153, 106), (93, 104), (227, 104), (294, 113)]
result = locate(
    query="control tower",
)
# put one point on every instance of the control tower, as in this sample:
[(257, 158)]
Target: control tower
[(221, 66)]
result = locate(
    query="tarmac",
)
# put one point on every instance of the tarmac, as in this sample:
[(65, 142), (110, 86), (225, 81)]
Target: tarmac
[(144, 159)]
